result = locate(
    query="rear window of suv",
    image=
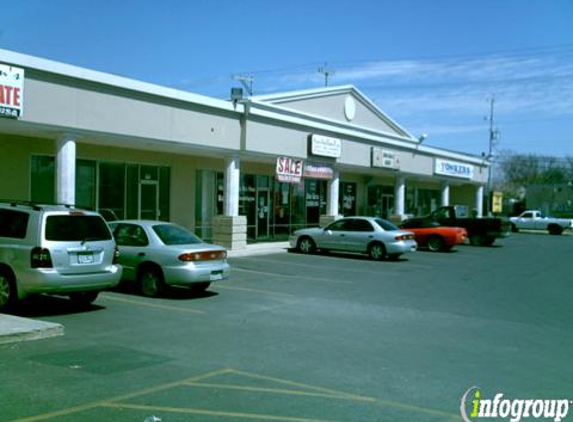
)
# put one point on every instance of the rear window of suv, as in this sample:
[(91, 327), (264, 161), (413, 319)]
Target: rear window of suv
[(13, 223), (67, 228)]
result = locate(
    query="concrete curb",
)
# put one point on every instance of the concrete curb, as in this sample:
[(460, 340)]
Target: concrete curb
[(260, 249), (14, 329)]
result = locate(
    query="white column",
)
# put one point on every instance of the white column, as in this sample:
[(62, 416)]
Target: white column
[(479, 200), (66, 170), (399, 195), (333, 194), (232, 181), (445, 194)]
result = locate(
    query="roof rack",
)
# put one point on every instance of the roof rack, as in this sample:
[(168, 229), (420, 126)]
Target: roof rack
[(36, 206)]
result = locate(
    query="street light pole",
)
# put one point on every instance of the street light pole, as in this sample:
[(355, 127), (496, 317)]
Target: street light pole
[(492, 137)]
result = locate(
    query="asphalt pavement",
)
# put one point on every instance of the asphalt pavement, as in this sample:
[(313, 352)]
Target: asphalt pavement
[(298, 338)]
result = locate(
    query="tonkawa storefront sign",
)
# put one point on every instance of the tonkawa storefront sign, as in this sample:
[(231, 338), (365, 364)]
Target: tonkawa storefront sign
[(453, 169), (292, 170), (11, 91)]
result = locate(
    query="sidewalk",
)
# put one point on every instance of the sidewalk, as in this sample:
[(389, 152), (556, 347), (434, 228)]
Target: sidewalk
[(13, 329), (260, 249)]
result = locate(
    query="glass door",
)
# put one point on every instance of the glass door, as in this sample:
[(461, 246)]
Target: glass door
[(263, 207), (148, 200)]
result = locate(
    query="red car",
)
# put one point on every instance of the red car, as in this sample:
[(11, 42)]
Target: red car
[(431, 234)]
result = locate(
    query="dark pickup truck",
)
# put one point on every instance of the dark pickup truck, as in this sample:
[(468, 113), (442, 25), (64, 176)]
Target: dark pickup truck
[(481, 231)]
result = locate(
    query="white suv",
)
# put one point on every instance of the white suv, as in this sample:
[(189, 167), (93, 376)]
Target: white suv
[(54, 249)]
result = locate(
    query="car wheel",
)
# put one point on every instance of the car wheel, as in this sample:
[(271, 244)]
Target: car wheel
[(7, 290), (83, 298), (306, 245), (377, 251), (151, 282), (555, 229), (200, 287), (514, 228), (477, 240), (436, 244)]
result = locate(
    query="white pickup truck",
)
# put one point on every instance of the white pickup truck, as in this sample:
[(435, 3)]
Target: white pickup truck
[(535, 220)]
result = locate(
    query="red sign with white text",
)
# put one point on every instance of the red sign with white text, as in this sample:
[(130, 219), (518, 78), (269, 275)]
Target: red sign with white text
[(11, 91)]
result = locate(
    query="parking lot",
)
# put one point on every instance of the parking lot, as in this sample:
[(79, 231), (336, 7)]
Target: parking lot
[(309, 338)]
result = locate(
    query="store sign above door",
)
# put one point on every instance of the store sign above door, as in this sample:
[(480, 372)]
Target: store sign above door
[(325, 147), (453, 169), (384, 158), (11, 91), (289, 170), (317, 171)]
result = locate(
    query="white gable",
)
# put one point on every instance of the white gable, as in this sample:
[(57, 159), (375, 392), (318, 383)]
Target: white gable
[(344, 104)]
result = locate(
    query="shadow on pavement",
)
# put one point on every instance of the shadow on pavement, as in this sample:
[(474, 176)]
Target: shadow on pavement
[(47, 306)]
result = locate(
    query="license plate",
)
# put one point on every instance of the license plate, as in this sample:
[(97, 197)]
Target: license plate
[(85, 258), (216, 275)]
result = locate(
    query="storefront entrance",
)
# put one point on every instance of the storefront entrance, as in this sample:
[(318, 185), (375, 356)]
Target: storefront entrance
[(148, 200), (380, 201)]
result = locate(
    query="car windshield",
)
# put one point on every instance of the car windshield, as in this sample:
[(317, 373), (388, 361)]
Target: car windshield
[(171, 234), (67, 228), (385, 225)]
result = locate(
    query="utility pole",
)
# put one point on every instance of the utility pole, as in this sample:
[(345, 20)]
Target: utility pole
[(493, 132), (326, 72)]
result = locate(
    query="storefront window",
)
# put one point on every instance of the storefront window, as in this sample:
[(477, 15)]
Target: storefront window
[(315, 201), (421, 201), (247, 203), (43, 189), (112, 188), (347, 199), (282, 212), (86, 184), (380, 201)]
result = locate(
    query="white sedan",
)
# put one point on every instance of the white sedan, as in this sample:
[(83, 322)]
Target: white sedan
[(156, 254), (368, 235)]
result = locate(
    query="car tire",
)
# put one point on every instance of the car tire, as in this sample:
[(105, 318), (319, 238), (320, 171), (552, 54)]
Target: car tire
[(151, 281), (514, 228), (306, 245), (377, 251), (436, 244), (477, 239), (84, 298), (7, 290), (554, 229)]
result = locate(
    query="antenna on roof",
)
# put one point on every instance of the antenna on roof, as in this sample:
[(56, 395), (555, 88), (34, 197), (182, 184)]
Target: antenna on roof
[(246, 81), (326, 72)]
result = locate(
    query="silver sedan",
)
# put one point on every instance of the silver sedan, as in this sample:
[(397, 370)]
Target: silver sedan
[(156, 254), (373, 236)]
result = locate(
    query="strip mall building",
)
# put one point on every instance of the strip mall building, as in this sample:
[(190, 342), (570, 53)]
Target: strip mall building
[(249, 170)]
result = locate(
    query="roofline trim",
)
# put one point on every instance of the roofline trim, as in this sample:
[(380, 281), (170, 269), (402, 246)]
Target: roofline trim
[(71, 71)]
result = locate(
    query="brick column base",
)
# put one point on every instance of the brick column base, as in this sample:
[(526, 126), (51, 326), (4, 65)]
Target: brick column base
[(230, 232)]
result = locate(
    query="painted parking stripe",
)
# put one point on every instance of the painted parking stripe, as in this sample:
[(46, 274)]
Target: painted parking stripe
[(117, 298), (246, 289)]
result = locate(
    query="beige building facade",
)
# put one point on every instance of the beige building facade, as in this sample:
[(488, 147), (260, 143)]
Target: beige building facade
[(254, 169)]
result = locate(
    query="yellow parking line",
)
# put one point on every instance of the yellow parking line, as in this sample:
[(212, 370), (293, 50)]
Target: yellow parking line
[(288, 276), (90, 406), (275, 391), (328, 391), (204, 412), (151, 305), (266, 292)]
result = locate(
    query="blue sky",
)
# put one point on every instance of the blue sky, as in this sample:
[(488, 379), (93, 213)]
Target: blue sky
[(431, 65)]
